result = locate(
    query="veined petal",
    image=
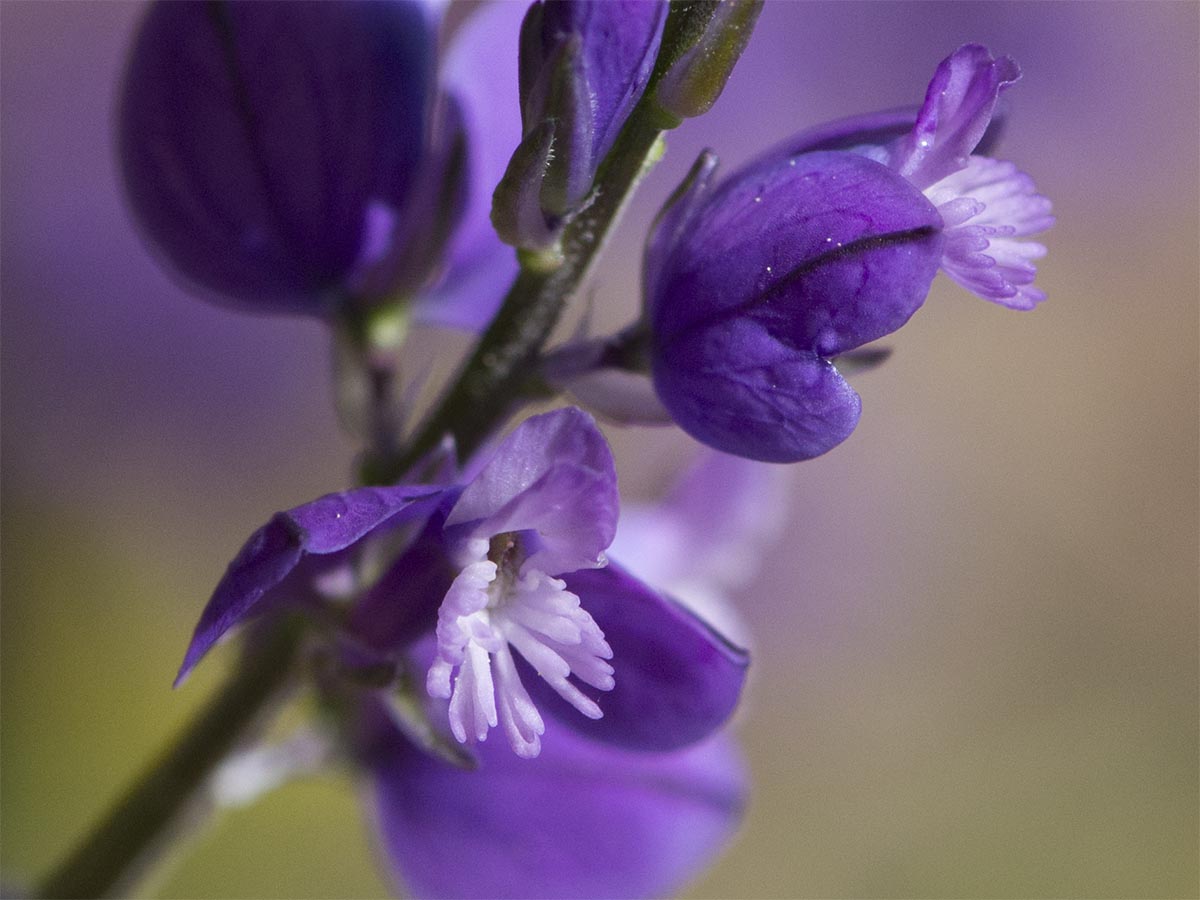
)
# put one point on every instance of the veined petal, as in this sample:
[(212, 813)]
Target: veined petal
[(743, 390), (829, 250), (583, 820), (254, 138)]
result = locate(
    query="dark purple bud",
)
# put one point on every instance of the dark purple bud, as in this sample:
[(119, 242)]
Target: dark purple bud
[(754, 285), (271, 150), (583, 67)]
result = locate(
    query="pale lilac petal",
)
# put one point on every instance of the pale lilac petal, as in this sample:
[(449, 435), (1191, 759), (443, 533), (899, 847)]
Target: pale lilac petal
[(480, 72), (583, 820), (554, 475), (986, 206), (615, 395), (958, 108), (707, 537)]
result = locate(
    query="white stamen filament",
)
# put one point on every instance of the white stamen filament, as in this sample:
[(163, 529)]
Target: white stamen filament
[(492, 609)]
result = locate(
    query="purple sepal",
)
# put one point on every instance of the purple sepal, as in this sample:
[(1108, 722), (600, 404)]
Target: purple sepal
[(256, 137), (582, 820), (870, 129), (553, 475), (672, 223), (958, 108), (258, 578), (403, 252), (677, 680), (401, 607)]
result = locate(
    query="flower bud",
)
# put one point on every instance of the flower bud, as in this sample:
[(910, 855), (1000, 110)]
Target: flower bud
[(754, 285), (583, 67), (276, 154)]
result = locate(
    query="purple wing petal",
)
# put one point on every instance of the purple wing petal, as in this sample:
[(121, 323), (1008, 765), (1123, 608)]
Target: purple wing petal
[(254, 138), (958, 108), (555, 474), (743, 390), (829, 250), (256, 579), (582, 820), (677, 680)]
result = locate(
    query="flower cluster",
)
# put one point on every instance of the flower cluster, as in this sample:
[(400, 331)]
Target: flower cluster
[(330, 160), (500, 593)]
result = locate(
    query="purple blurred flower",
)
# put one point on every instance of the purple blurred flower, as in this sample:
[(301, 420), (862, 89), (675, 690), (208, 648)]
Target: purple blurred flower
[(755, 285), (480, 562), (301, 158), (512, 561), (583, 67), (585, 819)]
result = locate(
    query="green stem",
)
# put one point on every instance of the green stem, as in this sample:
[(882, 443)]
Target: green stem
[(491, 385), (125, 842)]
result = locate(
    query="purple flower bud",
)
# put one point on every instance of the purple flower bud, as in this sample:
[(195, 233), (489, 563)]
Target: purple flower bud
[(298, 157), (583, 66), (824, 245)]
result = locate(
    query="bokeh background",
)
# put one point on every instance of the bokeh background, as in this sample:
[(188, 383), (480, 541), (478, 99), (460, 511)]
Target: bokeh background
[(976, 654)]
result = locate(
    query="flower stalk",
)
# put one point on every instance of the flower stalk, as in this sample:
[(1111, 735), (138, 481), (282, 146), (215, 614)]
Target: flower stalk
[(496, 380)]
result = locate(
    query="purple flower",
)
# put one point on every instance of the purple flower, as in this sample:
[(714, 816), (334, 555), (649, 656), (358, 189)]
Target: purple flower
[(755, 286), (301, 158), (501, 603), (583, 67), (585, 819)]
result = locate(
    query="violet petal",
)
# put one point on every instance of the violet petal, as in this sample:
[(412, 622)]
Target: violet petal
[(480, 72), (325, 526), (677, 680), (582, 820), (829, 250), (958, 108), (553, 474), (744, 390)]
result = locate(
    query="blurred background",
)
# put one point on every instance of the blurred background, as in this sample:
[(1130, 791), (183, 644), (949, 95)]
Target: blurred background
[(976, 654)]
